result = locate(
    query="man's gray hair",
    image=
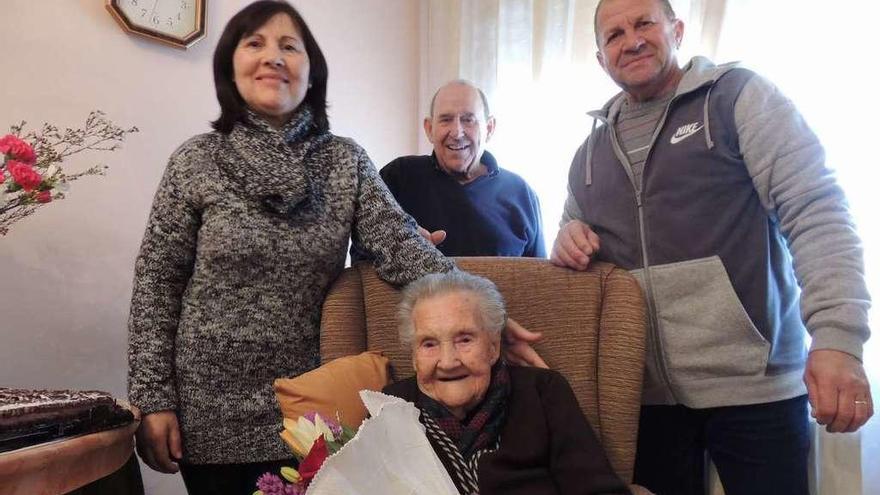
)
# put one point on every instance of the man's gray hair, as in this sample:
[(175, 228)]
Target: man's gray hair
[(463, 82), (491, 313)]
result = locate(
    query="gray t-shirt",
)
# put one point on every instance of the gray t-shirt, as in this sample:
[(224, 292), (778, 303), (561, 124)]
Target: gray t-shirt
[(635, 126)]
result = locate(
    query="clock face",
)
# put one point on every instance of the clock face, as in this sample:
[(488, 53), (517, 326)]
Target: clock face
[(178, 22)]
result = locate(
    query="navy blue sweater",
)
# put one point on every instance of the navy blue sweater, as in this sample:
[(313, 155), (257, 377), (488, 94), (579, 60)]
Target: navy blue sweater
[(494, 215)]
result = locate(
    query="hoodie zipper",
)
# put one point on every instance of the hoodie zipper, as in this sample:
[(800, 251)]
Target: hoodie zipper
[(654, 333), (603, 115)]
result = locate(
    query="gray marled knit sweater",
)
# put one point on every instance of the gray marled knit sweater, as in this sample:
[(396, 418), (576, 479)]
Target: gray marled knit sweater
[(246, 234)]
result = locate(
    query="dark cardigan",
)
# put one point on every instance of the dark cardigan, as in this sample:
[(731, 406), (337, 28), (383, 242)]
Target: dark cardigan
[(546, 447)]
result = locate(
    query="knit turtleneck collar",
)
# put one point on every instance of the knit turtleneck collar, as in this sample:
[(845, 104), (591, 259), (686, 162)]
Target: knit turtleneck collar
[(270, 165), (300, 124)]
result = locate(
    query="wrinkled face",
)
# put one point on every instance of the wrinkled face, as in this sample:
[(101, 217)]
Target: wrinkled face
[(452, 354), (638, 45), (458, 129), (271, 69)]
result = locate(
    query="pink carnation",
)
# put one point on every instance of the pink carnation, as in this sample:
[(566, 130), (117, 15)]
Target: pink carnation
[(17, 149), (24, 175)]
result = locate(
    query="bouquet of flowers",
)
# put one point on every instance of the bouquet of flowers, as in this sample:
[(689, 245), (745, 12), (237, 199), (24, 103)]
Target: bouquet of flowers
[(30, 171), (389, 454), (312, 438)]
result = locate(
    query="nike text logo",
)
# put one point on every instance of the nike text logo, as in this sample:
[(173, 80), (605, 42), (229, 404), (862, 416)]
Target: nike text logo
[(685, 131)]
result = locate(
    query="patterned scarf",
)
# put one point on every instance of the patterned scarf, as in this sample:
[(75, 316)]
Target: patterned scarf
[(463, 442), (270, 165)]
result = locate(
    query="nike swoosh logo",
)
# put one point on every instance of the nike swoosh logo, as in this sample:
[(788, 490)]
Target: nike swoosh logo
[(678, 138)]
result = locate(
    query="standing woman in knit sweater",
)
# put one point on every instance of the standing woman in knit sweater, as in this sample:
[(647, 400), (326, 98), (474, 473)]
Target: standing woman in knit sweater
[(249, 226)]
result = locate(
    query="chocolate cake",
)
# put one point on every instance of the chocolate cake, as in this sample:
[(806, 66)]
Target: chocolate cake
[(30, 417)]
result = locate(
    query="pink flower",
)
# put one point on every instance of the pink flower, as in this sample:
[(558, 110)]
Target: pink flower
[(17, 149), (24, 175), (44, 197)]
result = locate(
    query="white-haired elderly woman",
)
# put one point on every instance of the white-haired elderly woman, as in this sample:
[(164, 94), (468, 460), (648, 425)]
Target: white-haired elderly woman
[(498, 429)]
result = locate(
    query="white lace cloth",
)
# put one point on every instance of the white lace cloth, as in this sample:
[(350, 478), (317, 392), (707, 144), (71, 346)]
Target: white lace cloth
[(390, 454)]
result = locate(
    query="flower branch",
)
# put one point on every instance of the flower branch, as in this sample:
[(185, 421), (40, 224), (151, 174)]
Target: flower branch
[(31, 174)]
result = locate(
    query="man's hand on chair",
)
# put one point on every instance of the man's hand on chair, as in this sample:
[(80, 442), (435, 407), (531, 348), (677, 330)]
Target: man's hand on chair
[(575, 246), (435, 237)]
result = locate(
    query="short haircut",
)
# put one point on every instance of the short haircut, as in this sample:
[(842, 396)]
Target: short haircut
[(664, 4), (233, 108), (463, 82), (492, 314)]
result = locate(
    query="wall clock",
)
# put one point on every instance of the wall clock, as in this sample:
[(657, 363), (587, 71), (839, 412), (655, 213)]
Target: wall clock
[(179, 23)]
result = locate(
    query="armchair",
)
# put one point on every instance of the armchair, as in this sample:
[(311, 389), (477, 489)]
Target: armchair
[(593, 324)]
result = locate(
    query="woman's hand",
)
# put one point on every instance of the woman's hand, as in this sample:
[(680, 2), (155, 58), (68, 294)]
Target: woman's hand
[(518, 349), (158, 441)]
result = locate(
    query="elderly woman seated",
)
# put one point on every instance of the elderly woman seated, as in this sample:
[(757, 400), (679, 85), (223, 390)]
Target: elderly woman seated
[(498, 429)]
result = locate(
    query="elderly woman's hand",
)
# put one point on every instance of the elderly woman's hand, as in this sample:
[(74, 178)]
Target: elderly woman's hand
[(639, 490), (518, 349)]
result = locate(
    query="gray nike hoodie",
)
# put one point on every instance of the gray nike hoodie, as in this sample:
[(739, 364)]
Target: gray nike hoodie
[(739, 235)]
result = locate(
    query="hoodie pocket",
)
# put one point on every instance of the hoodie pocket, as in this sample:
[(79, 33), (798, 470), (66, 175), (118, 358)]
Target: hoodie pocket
[(704, 331)]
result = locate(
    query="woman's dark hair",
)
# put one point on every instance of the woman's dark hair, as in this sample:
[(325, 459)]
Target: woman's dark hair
[(245, 23)]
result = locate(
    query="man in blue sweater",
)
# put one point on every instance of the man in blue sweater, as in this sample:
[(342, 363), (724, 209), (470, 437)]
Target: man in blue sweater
[(459, 191)]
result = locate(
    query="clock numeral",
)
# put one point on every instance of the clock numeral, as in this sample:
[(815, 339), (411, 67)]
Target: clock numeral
[(155, 20), (184, 5), (143, 12), (134, 3), (170, 22)]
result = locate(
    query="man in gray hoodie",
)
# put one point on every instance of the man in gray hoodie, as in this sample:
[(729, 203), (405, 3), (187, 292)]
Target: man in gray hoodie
[(706, 183)]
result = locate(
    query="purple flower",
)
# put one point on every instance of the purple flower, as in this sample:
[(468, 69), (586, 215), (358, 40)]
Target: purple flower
[(334, 425), (271, 484)]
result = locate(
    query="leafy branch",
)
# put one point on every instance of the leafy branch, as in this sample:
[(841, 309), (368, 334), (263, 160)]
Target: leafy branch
[(52, 145)]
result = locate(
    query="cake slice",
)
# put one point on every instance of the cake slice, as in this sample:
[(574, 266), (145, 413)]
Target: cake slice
[(30, 417)]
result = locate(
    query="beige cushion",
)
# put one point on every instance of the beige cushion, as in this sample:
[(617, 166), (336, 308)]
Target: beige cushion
[(332, 389)]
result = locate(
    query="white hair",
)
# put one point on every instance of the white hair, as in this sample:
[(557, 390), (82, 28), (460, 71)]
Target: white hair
[(491, 312)]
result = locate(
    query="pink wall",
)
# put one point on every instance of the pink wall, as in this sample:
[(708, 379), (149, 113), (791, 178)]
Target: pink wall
[(65, 273)]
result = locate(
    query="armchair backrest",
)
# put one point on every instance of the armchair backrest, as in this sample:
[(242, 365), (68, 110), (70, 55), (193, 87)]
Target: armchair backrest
[(593, 324)]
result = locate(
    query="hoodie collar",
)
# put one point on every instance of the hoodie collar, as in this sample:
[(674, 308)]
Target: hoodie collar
[(699, 72)]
